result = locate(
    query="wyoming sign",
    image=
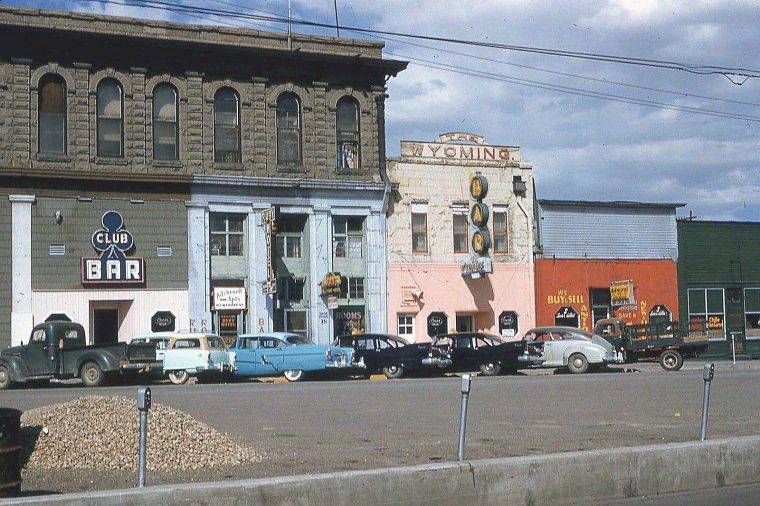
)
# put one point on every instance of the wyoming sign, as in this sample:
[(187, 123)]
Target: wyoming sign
[(114, 242)]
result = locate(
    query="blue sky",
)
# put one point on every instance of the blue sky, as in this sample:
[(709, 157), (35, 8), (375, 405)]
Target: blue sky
[(581, 148)]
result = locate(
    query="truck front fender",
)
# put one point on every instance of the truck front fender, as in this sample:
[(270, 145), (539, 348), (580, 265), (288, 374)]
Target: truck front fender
[(106, 361), (16, 367)]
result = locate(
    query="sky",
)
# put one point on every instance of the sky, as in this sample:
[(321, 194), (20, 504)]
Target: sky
[(581, 148)]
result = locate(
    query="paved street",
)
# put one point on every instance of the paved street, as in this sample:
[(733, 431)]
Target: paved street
[(340, 425)]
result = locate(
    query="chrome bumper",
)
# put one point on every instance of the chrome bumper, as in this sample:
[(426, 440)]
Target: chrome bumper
[(436, 361), (614, 358), (340, 363)]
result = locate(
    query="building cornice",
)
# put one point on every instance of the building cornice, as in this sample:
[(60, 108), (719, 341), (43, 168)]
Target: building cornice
[(280, 182)]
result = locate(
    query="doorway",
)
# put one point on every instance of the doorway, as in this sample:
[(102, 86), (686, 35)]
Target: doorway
[(464, 323), (601, 304), (735, 317), (105, 326)]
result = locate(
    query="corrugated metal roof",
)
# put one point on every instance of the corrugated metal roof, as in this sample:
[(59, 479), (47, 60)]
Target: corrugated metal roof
[(612, 203)]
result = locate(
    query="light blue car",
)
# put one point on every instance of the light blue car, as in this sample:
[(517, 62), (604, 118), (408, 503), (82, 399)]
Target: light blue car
[(292, 355)]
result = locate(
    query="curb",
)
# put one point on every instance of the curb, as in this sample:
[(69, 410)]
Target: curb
[(538, 479)]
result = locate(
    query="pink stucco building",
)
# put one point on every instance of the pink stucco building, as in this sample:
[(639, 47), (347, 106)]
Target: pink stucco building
[(430, 288)]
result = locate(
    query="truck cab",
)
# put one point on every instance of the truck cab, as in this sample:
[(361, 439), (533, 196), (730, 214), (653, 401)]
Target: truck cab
[(58, 349)]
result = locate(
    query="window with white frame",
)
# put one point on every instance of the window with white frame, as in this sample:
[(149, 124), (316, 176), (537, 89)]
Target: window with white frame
[(500, 228), (227, 234), (461, 228), (287, 242), (348, 236), (405, 325), (752, 313), (419, 227), (352, 287)]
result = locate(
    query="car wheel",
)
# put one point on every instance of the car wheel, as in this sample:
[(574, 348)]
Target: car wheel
[(92, 375), (5, 378), (393, 371), (490, 369), (671, 360), (577, 363), (294, 375), (178, 377)]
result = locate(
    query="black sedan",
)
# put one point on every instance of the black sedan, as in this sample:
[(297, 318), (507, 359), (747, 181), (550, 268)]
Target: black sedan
[(392, 355), (488, 353)]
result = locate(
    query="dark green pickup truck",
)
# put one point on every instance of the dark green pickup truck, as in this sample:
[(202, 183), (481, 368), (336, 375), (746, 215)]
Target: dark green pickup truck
[(57, 349)]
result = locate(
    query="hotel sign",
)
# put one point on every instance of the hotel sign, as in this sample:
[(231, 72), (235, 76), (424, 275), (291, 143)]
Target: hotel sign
[(269, 222), (114, 242), (476, 267), (229, 298), (460, 146)]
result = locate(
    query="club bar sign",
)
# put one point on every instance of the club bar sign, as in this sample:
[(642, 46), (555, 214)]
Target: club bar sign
[(114, 243)]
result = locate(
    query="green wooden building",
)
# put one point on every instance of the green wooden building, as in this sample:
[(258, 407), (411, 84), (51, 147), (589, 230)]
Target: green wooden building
[(719, 283)]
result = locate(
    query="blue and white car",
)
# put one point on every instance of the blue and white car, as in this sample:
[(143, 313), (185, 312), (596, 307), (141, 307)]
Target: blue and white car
[(292, 355), (195, 355)]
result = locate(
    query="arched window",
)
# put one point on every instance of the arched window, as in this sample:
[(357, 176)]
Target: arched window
[(165, 123), (347, 133), (226, 126), (52, 115), (288, 129), (110, 118)]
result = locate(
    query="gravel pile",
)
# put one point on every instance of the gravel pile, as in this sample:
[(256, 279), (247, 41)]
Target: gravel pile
[(102, 433)]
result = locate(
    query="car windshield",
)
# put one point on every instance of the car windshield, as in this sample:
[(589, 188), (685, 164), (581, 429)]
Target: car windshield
[(493, 338), (216, 343), (296, 339)]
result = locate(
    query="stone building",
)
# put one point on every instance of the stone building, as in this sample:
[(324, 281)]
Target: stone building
[(430, 287), (137, 158)]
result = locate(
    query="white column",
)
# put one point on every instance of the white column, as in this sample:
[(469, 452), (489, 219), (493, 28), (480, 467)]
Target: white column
[(198, 269), (22, 320), (320, 263), (377, 272), (260, 305)]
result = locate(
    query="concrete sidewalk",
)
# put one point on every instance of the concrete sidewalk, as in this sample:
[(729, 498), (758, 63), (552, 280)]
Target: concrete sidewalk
[(557, 478)]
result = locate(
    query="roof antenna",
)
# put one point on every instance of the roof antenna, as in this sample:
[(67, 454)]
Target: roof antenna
[(337, 26), (290, 30)]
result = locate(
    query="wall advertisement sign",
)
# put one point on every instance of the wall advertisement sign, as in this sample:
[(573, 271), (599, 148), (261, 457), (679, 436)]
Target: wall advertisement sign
[(567, 316), (269, 222), (163, 321), (437, 323), (621, 293), (229, 298), (114, 243), (508, 323)]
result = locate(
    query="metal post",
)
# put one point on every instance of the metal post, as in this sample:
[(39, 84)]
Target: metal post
[(143, 405), (466, 381), (733, 346), (707, 376)]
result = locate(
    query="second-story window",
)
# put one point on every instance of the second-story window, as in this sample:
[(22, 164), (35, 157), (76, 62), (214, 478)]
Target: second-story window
[(347, 237), (347, 134), (287, 242), (500, 230), (227, 234), (165, 123), (52, 115), (288, 130), (419, 228), (226, 126), (461, 229), (110, 118)]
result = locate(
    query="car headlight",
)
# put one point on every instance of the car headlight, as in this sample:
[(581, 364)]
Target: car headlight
[(328, 354)]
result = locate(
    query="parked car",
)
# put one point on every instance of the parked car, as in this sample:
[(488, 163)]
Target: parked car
[(58, 349), (159, 339), (392, 355), (488, 353), (569, 347), (668, 342), (292, 355), (202, 355)]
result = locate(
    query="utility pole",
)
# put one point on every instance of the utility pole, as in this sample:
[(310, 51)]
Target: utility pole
[(337, 25), (290, 29)]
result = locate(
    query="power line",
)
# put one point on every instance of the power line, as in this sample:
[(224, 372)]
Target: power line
[(568, 74), (686, 67), (575, 91)]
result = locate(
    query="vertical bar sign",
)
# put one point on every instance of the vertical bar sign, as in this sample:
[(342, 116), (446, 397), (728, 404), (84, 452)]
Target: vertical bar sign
[(269, 222)]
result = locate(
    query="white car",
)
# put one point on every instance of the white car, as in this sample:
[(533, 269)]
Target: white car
[(569, 347)]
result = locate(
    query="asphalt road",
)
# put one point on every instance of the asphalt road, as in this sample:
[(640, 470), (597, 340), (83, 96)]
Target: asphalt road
[(357, 424)]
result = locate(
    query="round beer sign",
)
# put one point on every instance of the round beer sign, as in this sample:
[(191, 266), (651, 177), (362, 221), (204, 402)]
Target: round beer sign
[(481, 241), (478, 187), (479, 214)]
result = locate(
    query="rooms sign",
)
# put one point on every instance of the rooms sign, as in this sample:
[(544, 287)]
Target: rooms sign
[(113, 267)]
